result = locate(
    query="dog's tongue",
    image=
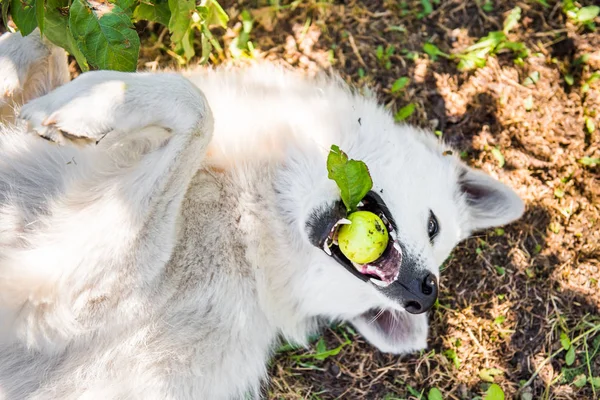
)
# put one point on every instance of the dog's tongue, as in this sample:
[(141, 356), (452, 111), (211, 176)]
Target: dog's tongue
[(386, 267)]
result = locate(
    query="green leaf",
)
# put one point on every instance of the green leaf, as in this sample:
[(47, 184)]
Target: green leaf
[(499, 231), (565, 342), (587, 14), (400, 84), (489, 374), (351, 176), (570, 356), (452, 356), (5, 5), (595, 381), (494, 392), (157, 11), (498, 156), (487, 43), (23, 15), (528, 103), (126, 5), (39, 14), (589, 125), (499, 319), (404, 112), (589, 161), (105, 36), (569, 79), (56, 29), (181, 18), (427, 8), (433, 51), (580, 381), (500, 271), (216, 14), (512, 19), (532, 78), (488, 6), (435, 394), (559, 193)]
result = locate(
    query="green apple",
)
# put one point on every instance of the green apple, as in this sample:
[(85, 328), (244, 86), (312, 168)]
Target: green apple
[(363, 240)]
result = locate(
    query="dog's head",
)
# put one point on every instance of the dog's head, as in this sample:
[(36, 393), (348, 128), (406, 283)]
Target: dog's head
[(426, 196)]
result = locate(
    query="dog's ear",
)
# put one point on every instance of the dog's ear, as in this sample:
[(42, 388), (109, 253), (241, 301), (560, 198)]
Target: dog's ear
[(490, 203)]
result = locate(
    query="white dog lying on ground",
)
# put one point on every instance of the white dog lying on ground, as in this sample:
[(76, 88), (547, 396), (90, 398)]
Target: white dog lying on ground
[(170, 229)]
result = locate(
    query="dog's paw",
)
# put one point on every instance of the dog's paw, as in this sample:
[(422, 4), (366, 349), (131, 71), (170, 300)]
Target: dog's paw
[(80, 112)]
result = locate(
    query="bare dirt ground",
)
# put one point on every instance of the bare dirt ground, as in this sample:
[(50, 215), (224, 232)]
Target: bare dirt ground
[(507, 295)]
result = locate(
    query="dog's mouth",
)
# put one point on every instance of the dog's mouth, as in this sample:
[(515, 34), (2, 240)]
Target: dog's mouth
[(384, 270), (394, 273)]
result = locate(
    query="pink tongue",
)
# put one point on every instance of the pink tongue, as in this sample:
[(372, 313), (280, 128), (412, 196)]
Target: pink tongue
[(387, 267)]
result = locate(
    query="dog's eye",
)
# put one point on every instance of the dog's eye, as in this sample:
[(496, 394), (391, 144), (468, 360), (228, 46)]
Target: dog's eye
[(432, 226)]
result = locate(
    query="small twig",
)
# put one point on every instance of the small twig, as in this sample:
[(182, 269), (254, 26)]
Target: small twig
[(355, 50)]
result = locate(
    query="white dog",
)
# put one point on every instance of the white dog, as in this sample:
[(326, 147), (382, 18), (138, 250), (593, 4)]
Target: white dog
[(164, 256)]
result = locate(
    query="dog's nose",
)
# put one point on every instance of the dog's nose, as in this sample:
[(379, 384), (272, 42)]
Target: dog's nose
[(421, 294), (416, 291)]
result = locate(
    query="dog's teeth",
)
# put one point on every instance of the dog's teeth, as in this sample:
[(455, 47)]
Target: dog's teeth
[(393, 235), (344, 221), (326, 249), (360, 204), (397, 247), (378, 282)]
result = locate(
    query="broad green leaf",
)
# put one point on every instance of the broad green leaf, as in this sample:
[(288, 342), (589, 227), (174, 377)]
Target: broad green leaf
[(400, 84), (351, 176), (39, 14), (435, 394), (512, 19), (595, 381), (586, 14), (494, 392), (565, 342), (489, 374), (56, 29), (181, 18), (500, 271), (23, 15), (126, 5), (105, 36), (404, 112), (216, 14), (498, 156), (570, 356), (157, 11)]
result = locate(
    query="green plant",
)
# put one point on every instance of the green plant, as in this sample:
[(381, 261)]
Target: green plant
[(101, 34), (475, 56), (583, 16)]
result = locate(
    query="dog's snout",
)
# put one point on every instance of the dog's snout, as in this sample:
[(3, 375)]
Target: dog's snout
[(416, 291)]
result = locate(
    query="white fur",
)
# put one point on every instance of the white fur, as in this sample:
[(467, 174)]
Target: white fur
[(165, 260)]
